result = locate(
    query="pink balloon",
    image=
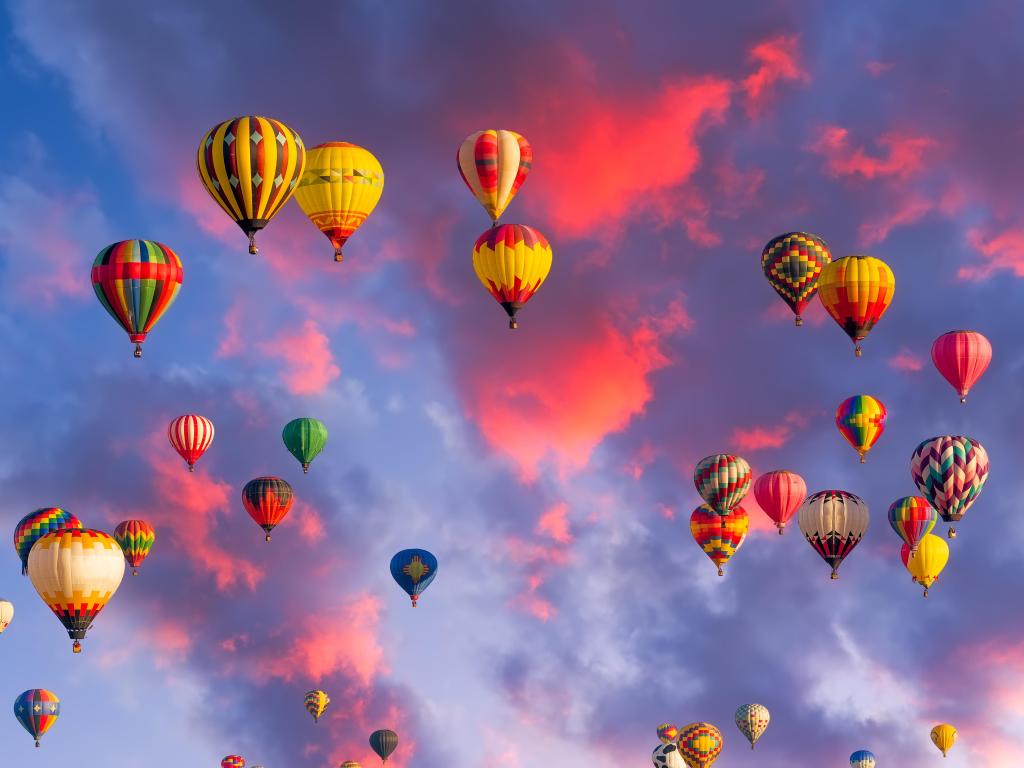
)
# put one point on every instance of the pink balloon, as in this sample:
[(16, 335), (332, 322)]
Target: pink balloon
[(962, 357)]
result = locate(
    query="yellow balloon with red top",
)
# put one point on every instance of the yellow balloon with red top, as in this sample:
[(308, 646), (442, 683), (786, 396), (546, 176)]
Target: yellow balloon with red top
[(339, 189), (856, 291), (512, 261)]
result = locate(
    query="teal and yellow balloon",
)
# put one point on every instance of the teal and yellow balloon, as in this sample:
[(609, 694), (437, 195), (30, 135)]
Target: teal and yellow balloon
[(305, 439)]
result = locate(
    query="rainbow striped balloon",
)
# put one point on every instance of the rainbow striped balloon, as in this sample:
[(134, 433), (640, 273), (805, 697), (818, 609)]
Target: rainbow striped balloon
[(861, 420), (37, 710), (35, 525), (136, 538), (720, 536)]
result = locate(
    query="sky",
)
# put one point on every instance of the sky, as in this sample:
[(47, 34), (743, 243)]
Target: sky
[(549, 468)]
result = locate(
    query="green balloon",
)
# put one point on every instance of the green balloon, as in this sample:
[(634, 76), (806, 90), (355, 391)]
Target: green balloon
[(304, 439)]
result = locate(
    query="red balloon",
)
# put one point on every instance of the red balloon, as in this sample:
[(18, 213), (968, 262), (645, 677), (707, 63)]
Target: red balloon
[(780, 493), (962, 357), (267, 500), (190, 436)]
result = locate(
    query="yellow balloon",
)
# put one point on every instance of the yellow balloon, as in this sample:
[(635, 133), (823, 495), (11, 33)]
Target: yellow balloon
[(927, 563), (316, 704), (944, 737), (340, 187), (856, 291), (511, 261)]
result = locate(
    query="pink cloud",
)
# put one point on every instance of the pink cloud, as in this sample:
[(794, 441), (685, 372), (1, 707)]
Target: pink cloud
[(551, 549), (1002, 251), (878, 68), (342, 640), (903, 155), (777, 62), (185, 515), (232, 342), (759, 437), (907, 361), (905, 211), (309, 523), (309, 365), (554, 524)]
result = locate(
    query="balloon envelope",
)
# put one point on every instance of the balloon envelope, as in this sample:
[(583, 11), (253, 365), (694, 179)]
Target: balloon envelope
[(962, 357), (76, 572), (856, 291), (861, 420), (6, 614), (833, 522), (752, 720), (37, 710), (927, 563), (316, 704), (792, 263), (136, 538), (512, 261), (862, 759), (912, 518), (305, 439), (722, 480), (190, 435), (950, 471), (780, 493), (233, 761), (340, 186), (667, 733), (250, 166), (414, 569), (719, 535), (668, 756), (267, 500), (136, 281), (37, 524), (494, 164), (700, 744), (383, 742), (944, 737)]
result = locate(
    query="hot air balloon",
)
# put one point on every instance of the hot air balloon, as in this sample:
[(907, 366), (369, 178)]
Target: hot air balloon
[(912, 517), (414, 569), (856, 291), (950, 471), (700, 744), (667, 733), (233, 761), (190, 435), (6, 614), (35, 525), (136, 538), (316, 704), (929, 560), (905, 557), (780, 493), (668, 756), (304, 439), (792, 263), (37, 710), (862, 759), (250, 166), (719, 535), (752, 720), (136, 281), (76, 572), (267, 500), (944, 737), (834, 522), (861, 420), (350, 764), (512, 261), (494, 165), (962, 357), (383, 742), (340, 187), (722, 481)]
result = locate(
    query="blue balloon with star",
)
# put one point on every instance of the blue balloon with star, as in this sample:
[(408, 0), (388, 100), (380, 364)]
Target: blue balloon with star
[(414, 569)]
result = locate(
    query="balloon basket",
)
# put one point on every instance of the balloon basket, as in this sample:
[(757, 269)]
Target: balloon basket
[(76, 647), (138, 350)]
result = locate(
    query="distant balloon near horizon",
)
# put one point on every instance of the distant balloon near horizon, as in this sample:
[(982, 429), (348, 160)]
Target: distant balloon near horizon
[(792, 263), (316, 702), (856, 291), (233, 761), (494, 164), (862, 759), (700, 744), (304, 438), (136, 281), (250, 165), (668, 755), (962, 357), (191, 436), (414, 570), (753, 720), (37, 710), (667, 733)]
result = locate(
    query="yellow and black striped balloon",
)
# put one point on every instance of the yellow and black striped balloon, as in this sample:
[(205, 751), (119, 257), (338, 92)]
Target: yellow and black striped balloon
[(250, 166)]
